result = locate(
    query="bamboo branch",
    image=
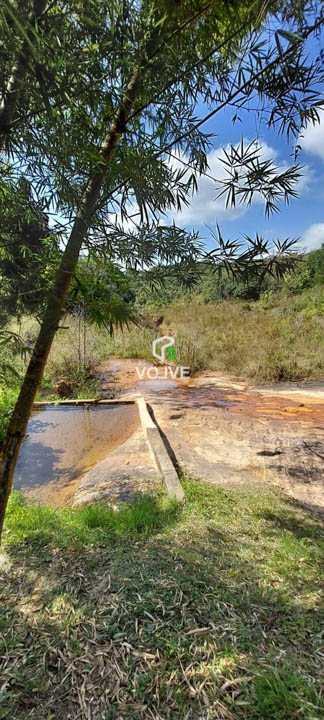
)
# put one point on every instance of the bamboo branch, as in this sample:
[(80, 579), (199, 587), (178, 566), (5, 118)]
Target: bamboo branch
[(18, 74)]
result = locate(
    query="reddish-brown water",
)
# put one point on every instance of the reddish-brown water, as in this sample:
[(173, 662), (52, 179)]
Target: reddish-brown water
[(64, 442)]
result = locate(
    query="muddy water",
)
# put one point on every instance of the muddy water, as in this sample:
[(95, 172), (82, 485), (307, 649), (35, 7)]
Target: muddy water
[(62, 443)]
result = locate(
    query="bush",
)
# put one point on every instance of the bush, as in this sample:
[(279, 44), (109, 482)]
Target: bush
[(8, 398), (300, 280), (310, 272), (315, 263)]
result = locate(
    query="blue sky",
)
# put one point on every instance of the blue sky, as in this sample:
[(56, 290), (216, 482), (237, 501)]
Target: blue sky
[(303, 218)]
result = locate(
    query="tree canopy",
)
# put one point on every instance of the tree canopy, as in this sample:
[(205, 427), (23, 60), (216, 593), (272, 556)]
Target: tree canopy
[(28, 252), (80, 59)]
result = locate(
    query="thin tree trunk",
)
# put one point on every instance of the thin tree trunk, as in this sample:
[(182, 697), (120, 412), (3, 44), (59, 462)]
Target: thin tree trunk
[(15, 84), (56, 301), (84, 338), (79, 340)]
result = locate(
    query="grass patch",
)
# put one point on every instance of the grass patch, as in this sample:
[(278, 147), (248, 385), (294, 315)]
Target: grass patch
[(43, 526), (207, 610), (286, 694)]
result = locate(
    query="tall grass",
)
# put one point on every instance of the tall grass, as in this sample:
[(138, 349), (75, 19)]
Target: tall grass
[(279, 337), (67, 359)]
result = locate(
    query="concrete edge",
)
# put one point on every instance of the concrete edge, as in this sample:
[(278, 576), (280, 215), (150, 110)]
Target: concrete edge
[(162, 460), (82, 402)]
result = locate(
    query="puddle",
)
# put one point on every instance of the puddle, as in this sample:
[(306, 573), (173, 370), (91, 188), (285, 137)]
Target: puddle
[(64, 442)]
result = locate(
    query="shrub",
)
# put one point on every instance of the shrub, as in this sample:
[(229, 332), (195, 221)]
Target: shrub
[(315, 263), (8, 398)]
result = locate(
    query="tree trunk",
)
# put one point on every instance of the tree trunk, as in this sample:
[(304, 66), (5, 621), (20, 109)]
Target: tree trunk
[(56, 301), (84, 339), (17, 77), (79, 340)]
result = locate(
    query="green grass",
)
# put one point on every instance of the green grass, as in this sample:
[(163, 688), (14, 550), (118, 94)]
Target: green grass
[(43, 526), (285, 693), (207, 610)]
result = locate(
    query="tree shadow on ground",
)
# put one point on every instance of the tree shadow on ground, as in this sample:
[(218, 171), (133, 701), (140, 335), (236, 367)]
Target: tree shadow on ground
[(187, 624)]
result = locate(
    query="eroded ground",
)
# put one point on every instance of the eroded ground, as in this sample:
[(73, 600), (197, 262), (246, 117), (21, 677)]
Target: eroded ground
[(220, 429)]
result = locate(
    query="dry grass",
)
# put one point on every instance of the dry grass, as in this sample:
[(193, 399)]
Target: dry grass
[(75, 359), (216, 616), (280, 338), (68, 346)]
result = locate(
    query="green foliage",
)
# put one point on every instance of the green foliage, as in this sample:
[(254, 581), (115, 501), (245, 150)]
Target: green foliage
[(8, 397), (11, 352), (28, 253), (309, 272), (249, 175), (100, 523), (12, 347), (102, 295), (80, 61), (315, 264), (285, 693), (301, 279), (211, 284)]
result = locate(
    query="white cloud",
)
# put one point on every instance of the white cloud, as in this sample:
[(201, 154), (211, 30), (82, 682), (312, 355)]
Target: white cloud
[(206, 208), (313, 237), (313, 139)]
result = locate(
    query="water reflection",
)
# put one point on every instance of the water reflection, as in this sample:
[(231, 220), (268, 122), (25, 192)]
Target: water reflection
[(64, 442)]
